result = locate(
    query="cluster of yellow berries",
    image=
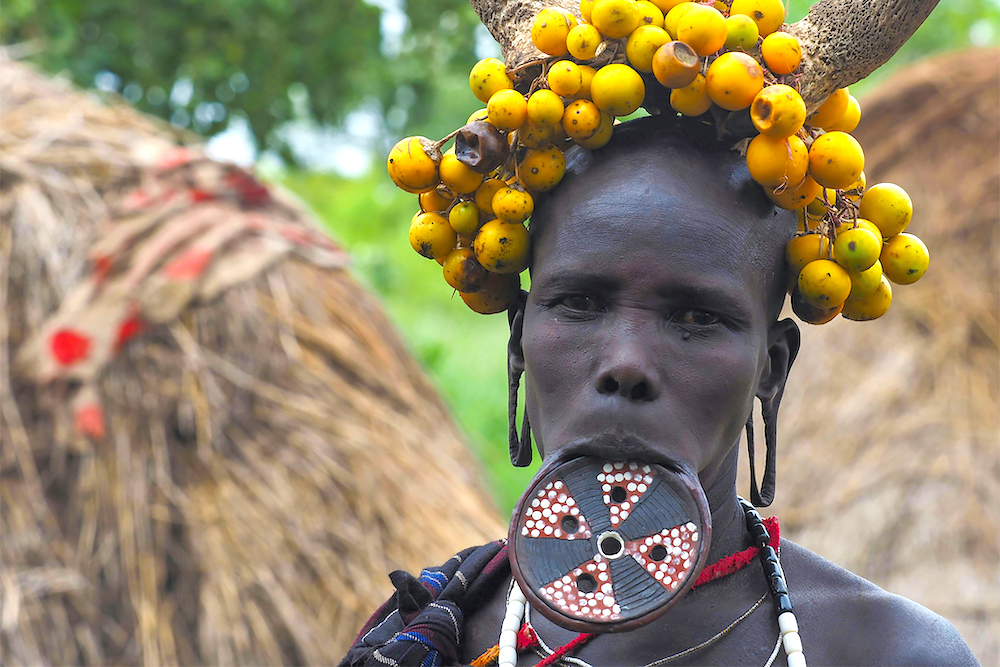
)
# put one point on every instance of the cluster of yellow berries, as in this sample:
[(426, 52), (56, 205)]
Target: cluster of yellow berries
[(723, 56)]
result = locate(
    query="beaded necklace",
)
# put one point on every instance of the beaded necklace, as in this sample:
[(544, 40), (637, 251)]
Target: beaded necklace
[(765, 549)]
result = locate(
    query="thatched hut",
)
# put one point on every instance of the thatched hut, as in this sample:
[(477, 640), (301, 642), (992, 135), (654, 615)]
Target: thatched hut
[(214, 444), (889, 461)]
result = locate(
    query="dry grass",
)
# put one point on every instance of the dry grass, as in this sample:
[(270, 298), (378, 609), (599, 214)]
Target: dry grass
[(269, 458), (889, 461)]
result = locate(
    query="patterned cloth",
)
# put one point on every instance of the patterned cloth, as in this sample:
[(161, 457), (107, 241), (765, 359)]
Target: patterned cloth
[(422, 623)]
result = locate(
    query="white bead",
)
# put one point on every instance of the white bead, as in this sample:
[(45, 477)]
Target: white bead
[(508, 655), (508, 638), (787, 623), (511, 623), (792, 642), (517, 594), (515, 608), (797, 659)]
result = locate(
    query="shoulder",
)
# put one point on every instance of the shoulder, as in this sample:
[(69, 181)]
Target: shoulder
[(845, 619)]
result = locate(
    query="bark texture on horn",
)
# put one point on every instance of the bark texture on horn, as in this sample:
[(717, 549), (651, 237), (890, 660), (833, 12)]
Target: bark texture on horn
[(509, 21), (843, 41)]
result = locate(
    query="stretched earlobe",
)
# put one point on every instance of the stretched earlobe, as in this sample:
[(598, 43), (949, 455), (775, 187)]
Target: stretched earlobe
[(519, 444), (784, 341)]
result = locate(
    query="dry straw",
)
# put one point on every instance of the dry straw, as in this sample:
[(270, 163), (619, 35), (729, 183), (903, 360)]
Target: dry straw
[(270, 457), (889, 457)]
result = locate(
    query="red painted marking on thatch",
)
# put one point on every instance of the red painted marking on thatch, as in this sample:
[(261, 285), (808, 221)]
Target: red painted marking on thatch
[(189, 265), (69, 347), (89, 421), (198, 195), (129, 329)]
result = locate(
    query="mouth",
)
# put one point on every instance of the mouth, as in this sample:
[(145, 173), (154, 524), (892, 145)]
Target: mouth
[(621, 447)]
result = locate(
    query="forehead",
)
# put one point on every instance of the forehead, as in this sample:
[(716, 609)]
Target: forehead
[(661, 212)]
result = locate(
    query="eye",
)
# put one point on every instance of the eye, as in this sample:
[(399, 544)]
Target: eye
[(697, 317), (581, 303)]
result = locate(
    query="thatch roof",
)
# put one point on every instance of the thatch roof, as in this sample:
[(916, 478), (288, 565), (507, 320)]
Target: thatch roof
[(228, 478), (889, 461)]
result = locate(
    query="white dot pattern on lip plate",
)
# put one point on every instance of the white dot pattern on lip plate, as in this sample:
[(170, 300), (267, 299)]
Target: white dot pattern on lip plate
[(681, 543), (547, 510), (636, 479), (597, 605)]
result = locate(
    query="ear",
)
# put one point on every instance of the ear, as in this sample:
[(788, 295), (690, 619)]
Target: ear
[(515, 317), (783, 340)]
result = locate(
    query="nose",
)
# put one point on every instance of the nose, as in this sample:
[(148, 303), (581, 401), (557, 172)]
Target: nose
[(628, 372)]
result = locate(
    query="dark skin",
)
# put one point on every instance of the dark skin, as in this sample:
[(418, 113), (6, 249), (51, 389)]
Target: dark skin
[(649, 331)]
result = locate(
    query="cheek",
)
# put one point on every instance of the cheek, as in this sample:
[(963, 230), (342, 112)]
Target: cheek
[(556, 358)]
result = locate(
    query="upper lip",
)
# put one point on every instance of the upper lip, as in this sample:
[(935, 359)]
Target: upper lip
[(620, 447)]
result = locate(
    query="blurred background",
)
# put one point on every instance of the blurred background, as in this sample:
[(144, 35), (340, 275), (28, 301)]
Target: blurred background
[(312, 94)]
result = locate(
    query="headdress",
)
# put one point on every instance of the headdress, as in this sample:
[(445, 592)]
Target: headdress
[(778, 92)]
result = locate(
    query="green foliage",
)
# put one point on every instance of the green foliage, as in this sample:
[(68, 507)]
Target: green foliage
[(243, 55)]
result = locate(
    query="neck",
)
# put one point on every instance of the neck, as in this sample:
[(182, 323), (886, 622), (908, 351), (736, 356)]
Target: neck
[(729, 532)]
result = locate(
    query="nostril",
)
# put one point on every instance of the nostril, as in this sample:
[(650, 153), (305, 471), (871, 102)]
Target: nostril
[(639, 391), (609, 386)]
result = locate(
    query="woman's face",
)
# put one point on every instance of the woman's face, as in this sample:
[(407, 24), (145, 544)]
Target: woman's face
[(648, 329)]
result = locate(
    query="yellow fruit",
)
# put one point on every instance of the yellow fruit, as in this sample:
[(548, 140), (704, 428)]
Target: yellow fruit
[(564, 78), (691, 100), (485, 192), (649, 14), (733, 80), (849, 121), (673, 16), (549, 31), (431, 235), (794, 198), (836, 160), (615, 18), (478, 114), (777, 161), (676, 65), (512, 205), (824, 283), (503, 247), (487, 77), (586, 77), (413, 164), (586, 7), (781, 52), (741, 33), (863, 283), (888, 206), (617, 89), (666, 5), (507, 109), (463, 272), (533, 135), (767, 14), (496, 295), (809, 313), (703, 28), (582, 41), (581, 120), (601, 136), (857, 249), (642, 44), (873, 306), (435, 200), (545, 108), (904, 259), (458, 177), (869, 225), (464, 217), (541, 169), (778, 110), (806, 248), (857, 188), (832, 110)]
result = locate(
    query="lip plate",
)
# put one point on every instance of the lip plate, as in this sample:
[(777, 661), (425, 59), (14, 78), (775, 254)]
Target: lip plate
[(695, 498)]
